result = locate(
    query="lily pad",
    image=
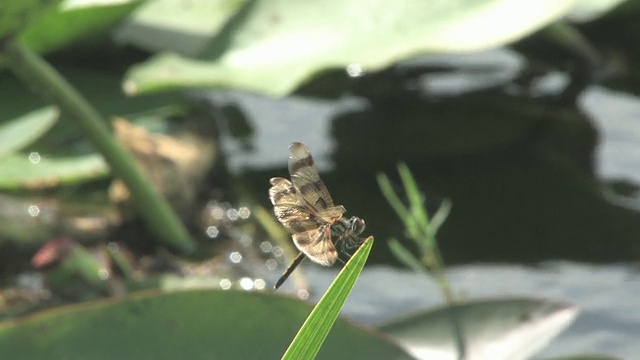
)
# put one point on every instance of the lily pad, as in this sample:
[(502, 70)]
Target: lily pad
[(501, 329), (181, 325), (272, 46), (585, 357), (187, 31)]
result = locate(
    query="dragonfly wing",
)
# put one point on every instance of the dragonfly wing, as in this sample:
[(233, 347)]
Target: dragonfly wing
[(307, 182), (317, 245), (290, 208)]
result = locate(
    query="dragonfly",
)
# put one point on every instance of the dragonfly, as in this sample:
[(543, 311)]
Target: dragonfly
[(304, 206)]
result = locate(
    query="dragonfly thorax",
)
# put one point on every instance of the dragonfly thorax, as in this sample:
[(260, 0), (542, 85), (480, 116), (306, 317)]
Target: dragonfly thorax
[(347, 231)]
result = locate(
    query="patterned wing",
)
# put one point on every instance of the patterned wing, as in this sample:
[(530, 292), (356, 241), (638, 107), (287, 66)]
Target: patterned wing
[(317, 245), (290, 208), (311, 234), (307, 182)]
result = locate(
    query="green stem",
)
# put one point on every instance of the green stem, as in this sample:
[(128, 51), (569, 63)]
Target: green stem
[(153, 208), (434, 261)]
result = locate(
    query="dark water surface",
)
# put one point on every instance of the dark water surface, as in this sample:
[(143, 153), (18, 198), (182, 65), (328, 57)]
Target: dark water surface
[(527, 177)]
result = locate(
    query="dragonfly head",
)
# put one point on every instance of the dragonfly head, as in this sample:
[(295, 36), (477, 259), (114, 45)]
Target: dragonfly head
[(355, 226)]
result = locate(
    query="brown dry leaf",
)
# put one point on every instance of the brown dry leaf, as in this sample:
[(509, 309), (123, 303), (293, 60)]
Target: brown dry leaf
[(175, 165)]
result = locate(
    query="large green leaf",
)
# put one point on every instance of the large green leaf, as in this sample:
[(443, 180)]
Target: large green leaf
[(181, 325), (48, 25), (271, 46), (587, 10), (74, 20), (187, 31), (501, 329), (18, 14)]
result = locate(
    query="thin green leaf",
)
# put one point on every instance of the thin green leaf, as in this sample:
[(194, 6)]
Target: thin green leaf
[(20, 132), (18, 171), (315, 329), (416, 201), (406, 257), (439, 217), (84, 264), (392, 198)]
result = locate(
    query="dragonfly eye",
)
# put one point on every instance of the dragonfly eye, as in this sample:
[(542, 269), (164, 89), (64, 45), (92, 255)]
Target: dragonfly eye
[(356, 225)]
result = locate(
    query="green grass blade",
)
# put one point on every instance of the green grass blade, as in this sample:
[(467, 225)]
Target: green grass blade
[(406, 257), (391, 196), (315, 329), (439, 217), (416, 203), (403, 212)]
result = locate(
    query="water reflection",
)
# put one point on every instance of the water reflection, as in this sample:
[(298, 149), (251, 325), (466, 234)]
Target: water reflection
[(520, 173), (246, 283), (33, 210), (212, 231), (34, 158), (355, 70), (271, 264), (303, 294), (235, 257), (266, 246), (225, 284)]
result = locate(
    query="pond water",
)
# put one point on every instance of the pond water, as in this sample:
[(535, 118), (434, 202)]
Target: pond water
[(616, 115)]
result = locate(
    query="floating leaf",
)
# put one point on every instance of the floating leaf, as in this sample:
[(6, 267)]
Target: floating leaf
[(502, 329), (272, 46), (180, 325), (187, 31), (585, 357)]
